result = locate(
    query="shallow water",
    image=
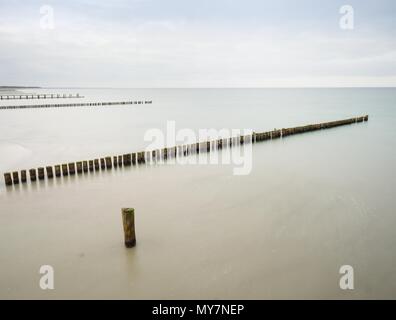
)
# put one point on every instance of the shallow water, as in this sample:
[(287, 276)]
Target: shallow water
[(312, 202)]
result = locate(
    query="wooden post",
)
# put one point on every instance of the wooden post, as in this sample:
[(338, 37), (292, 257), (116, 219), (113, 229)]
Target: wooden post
[(79, 167), (7, 179), (91, 165), (175, 151), (115, 162), (65, 171), (32, 173), (50, 173), (96, 163), (120, 161), (85, 166), (134, 158), (57, 170), (140, 157), (109, 165), (72, 168), (15, 177), (208, 146), (127, 159), (102, 163), (23, 176), (128, 220), (40, 173)]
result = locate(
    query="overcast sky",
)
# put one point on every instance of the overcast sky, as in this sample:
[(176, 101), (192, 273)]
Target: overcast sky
[(200, 43)]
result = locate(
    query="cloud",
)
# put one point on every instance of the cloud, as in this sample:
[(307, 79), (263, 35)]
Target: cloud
[(102, 47)]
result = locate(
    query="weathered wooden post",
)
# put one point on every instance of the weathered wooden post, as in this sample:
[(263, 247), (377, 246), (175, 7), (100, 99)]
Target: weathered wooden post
[(140, 157), (72, 168), (126, 158), (15, 177), (85, 166), (23, 176), (115, 162), (173, 152), (7, 179), (40, 173), (102, 163), (128, 221), (165, 153), (32, 173), (57, 170), (91, 165), (50, 173), (208, 146), (109, 165), (79, 167), (65, 171), (120, 161), (96, 163), (366, 118), (220, 144)]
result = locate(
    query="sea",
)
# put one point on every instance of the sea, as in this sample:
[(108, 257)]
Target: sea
[(308, 206)]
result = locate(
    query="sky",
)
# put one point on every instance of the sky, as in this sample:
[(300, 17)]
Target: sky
[(201, 43)]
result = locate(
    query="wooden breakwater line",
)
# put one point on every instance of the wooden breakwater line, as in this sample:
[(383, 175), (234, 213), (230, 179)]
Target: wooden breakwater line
[(86, 104), (39, 96), (107, 163)]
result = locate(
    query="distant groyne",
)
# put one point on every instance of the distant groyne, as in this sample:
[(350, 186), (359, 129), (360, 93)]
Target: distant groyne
[(70, 105), (129, 159), (39, 96)]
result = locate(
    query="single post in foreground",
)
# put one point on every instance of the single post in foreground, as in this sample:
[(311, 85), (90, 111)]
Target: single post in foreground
[(128, 220)]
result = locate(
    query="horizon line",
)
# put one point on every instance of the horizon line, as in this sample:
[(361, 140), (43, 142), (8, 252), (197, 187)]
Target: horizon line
[(241, 87)]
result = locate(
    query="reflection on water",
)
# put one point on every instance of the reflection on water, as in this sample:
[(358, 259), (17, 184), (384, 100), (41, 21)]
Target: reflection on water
[(312, 203)]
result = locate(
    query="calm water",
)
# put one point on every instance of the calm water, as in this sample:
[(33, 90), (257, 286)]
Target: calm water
[(312, 202)]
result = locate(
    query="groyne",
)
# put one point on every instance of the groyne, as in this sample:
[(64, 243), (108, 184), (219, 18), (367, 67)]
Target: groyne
[(129, 159), (39, 96), (70, 105)]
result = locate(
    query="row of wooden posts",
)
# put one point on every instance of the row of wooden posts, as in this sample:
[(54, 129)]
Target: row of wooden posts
[(87, 104), (129, 159), (39, 96)]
